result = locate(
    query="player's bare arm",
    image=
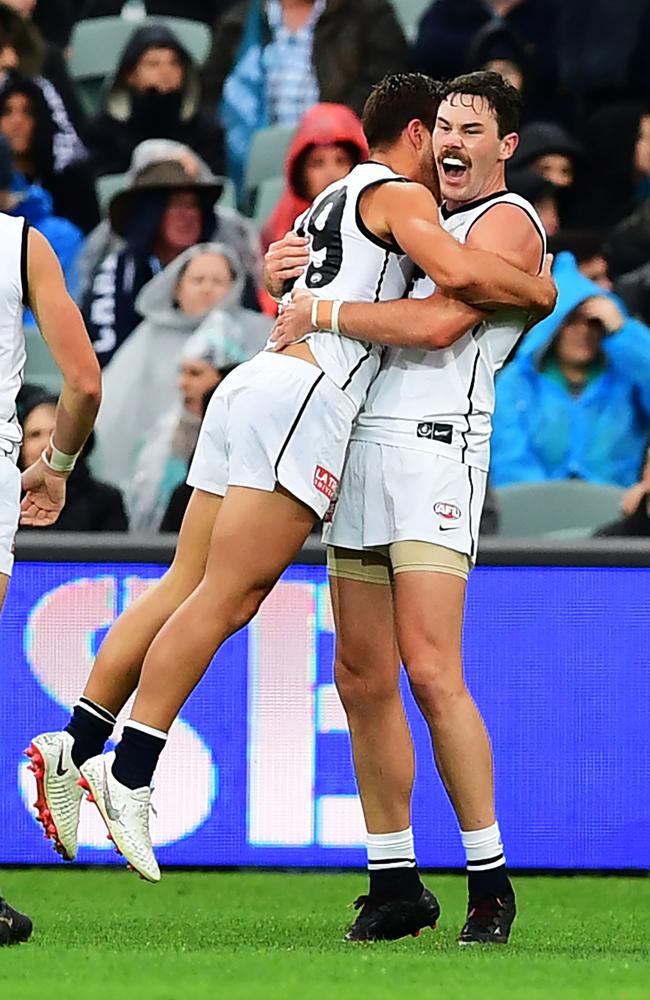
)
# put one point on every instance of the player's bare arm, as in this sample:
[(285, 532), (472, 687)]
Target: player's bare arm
[(64, 332), (486, 280)]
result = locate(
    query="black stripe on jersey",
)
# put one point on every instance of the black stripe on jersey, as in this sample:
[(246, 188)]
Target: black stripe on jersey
[(296, 422), (470, 401), (540, 232), (471, 205), (24, 279), (471, 497), (382, 275), (356, 368), (392, 246)]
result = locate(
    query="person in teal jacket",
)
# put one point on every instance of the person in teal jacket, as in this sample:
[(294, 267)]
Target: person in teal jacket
[(575, 401)]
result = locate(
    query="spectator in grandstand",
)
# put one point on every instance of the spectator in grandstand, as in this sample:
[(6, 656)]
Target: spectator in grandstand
[(575, 401), (269, 63), (89, 505), (164, 458), (24, 48), (168, 207), (329, 142), (548, 150), (588, 248), (26, 124), (31, 202), (449, 30), (635, 507), (156, 93), (618, 179), (541, 193), (139, 383), (197, 10), (496, 47)]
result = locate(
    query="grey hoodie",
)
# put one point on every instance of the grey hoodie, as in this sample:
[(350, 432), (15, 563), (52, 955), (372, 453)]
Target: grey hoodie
[(140, 381)]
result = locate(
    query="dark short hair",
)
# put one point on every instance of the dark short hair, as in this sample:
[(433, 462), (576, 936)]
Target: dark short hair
[(504, 99), (395, 101)]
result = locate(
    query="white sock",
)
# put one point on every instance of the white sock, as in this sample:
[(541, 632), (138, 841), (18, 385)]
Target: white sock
[(483, 848), (390, 850)]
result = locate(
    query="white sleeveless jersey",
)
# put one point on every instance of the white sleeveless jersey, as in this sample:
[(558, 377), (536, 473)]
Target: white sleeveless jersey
[(13, 291), (443, 401), (349, 262)]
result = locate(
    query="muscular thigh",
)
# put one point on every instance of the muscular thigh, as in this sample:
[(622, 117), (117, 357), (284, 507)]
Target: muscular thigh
[(188, 566), (365, 634), (429, 622)]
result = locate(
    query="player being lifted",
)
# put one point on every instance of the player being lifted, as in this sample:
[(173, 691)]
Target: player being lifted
[(404, 531), (30, 275), (268, 462)]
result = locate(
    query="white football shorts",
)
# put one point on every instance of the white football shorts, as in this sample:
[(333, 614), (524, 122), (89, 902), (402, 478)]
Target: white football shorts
[(9, 512), (275, 420), (390, 494)]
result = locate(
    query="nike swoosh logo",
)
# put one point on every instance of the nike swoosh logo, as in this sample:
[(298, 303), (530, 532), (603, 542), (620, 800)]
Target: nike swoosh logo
[(60, 770), (112, 813), (9, 921), (449, 527)]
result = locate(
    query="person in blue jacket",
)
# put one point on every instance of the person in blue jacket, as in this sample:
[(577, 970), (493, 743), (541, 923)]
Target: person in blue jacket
[(575, 401)]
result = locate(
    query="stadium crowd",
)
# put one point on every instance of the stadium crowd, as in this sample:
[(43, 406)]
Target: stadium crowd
[(159, 188)]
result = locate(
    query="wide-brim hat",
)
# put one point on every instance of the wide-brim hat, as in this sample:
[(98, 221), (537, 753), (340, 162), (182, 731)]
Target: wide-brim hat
[(165, 176)]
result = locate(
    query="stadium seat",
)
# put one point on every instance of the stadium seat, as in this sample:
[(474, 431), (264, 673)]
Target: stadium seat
[(268, 194), (409, 13), (559, 509), (267, 155), (40, 368), (97, 44)]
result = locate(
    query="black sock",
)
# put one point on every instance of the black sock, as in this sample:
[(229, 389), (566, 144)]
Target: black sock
[(136, 755), (493, 882), (90, 726), (395, 883)]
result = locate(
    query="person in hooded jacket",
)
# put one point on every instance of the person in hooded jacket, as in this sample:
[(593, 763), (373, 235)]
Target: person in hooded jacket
[(90, 505), (140, 382), (164, 459), (328, 143), (575, 401), (168, 207), (156, 93), (28, 127)]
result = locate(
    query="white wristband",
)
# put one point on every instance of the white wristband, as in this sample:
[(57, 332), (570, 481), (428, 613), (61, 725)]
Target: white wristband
[(336, 308), (59, 462), (314, 314)]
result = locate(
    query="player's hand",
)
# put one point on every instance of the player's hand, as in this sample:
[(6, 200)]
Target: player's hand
[(44, 495), (605, 311), (547, 291), (285, 260), (294, 320)]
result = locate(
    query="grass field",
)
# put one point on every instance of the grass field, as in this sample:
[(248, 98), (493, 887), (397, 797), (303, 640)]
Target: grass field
[(106, 934)]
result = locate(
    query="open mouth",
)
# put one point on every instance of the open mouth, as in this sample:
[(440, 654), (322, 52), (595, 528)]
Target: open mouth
[(453, 167)]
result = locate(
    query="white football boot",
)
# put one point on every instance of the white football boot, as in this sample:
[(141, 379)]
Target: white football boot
[(58, 796), (125, 812)]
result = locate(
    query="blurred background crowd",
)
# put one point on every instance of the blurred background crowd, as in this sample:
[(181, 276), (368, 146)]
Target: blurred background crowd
[(161, 145)]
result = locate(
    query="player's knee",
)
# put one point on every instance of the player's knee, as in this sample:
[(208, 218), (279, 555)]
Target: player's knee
[(359, 685), (238, 610), (435, 680)]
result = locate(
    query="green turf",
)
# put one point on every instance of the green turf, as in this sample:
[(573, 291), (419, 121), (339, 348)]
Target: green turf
[(107, 935)]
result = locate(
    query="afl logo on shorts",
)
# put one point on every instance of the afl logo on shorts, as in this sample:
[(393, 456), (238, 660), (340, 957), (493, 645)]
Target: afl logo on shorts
[(325, 482), (448, 511)]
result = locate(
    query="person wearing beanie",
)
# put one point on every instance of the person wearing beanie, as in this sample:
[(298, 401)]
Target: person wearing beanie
[(549, 150)]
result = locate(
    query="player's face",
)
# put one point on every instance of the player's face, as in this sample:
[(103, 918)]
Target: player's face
[(468, 150), (323, 165), (37, 431), (579, 340), (157, 69), (195, 379), (17, 123), (205, 282)]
